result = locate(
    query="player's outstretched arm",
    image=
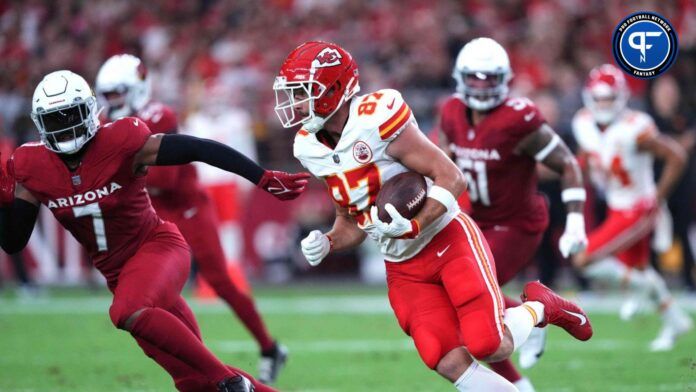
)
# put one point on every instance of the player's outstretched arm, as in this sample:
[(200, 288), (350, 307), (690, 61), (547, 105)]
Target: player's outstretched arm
[(545, 146), (345, 234), (18, 212), (665, 148), (163, 150), (415, 151)]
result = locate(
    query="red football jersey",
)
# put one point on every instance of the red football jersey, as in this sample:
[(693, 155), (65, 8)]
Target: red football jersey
[(502, 184), (102, 203), (173, 189)]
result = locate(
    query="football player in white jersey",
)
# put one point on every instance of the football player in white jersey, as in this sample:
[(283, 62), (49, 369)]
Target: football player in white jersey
[(440, 272), (619, 145)]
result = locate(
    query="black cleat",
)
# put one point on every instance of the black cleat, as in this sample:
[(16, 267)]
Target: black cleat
[(271, 363), (235, 384)]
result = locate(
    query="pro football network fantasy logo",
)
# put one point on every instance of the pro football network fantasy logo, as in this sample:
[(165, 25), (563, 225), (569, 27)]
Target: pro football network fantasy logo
[(645, 45)]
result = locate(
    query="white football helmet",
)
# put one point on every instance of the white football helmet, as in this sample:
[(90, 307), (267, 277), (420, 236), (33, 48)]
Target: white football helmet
[(482, 72), (123, 86), (605, 93), (64, 110)]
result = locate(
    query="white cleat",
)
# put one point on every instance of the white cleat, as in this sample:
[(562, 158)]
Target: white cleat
[(533, 348), (676, 323), (524, 385), (629, 308)]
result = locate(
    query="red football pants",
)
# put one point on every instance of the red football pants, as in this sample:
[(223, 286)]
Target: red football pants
[(152, 279), (447, 296), (624, 234)]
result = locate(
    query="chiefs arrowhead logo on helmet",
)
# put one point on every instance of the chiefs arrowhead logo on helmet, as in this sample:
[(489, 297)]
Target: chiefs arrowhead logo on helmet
[(328, 57)]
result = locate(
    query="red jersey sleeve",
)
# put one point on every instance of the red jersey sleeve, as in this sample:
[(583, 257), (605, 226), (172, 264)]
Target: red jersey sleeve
[(127, 135), (26, 157), (524, 114), (159, 118), (448, 111)]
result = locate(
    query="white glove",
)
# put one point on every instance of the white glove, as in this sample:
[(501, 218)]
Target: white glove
[(399, 227), (574, 239), (315, 247)]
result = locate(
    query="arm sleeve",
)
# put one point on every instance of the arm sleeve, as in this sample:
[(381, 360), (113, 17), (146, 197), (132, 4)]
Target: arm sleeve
[(182, 149), (16, 224)]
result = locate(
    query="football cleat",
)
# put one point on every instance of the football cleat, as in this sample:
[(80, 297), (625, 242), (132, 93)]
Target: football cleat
[(676, 323), (272, 363), (558, 311), (235, 384), (533, 348)]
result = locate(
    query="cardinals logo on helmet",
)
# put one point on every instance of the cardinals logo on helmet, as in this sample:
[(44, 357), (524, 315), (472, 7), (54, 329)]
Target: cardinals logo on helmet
[(328, 57)]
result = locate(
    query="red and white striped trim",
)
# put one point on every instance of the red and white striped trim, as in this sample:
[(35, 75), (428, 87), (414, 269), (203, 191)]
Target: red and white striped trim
[(479, 250)]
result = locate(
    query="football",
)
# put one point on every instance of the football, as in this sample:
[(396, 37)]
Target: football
[(406, 192)]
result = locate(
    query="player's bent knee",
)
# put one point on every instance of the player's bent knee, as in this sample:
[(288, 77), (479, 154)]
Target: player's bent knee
[(484, 348), (504, 350), (432, 347), (123, 314)]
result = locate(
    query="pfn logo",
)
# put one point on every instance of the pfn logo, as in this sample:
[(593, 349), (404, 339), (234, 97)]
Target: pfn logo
[(645, 44), (642, 46)]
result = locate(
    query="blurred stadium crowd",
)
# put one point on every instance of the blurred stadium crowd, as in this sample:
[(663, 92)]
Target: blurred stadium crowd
[(210, 56)]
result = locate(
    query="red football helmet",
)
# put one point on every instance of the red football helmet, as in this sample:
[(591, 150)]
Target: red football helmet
[(320, 74), (605, 93)]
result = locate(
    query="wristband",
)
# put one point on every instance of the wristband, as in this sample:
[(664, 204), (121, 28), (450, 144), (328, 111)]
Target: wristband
[(442, 195), (573, 194)]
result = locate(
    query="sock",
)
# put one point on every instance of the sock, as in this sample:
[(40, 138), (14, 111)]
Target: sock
[(166, 332), (612, 271), (658, 287), (524, 385), (245, 309), (521, 319), (506, 369), (479, 378)]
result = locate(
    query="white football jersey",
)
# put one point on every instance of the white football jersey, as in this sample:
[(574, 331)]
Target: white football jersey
[(627, 172), (356, 169)]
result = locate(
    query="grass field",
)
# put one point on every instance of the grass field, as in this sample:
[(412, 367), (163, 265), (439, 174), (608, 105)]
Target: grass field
[(342, 339)]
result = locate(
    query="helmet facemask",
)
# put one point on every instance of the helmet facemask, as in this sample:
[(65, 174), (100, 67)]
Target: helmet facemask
[(604, 104), (291, 96), (116, 103), (482, 90), (66, 129)]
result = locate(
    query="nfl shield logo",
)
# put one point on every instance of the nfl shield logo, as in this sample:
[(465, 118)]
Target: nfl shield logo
[(76, 180)]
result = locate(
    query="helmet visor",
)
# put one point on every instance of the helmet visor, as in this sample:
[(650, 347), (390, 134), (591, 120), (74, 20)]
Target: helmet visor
[(483, 86)]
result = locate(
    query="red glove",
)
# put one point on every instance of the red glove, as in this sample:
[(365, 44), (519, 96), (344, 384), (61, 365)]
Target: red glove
[(7, 183), (284, 186)]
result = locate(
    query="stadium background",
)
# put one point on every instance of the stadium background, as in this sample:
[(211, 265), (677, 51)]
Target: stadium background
[(214, 61)]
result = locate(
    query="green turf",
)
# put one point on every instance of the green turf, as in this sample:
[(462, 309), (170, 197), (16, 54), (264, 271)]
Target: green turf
[(329, 352)]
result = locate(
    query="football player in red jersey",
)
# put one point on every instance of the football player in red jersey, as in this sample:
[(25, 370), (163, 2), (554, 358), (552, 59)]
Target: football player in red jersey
[(497, 142), (123, 87), (92, 178), (440, 276)]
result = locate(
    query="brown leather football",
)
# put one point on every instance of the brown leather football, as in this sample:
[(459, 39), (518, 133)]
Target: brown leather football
[(406, 192)]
